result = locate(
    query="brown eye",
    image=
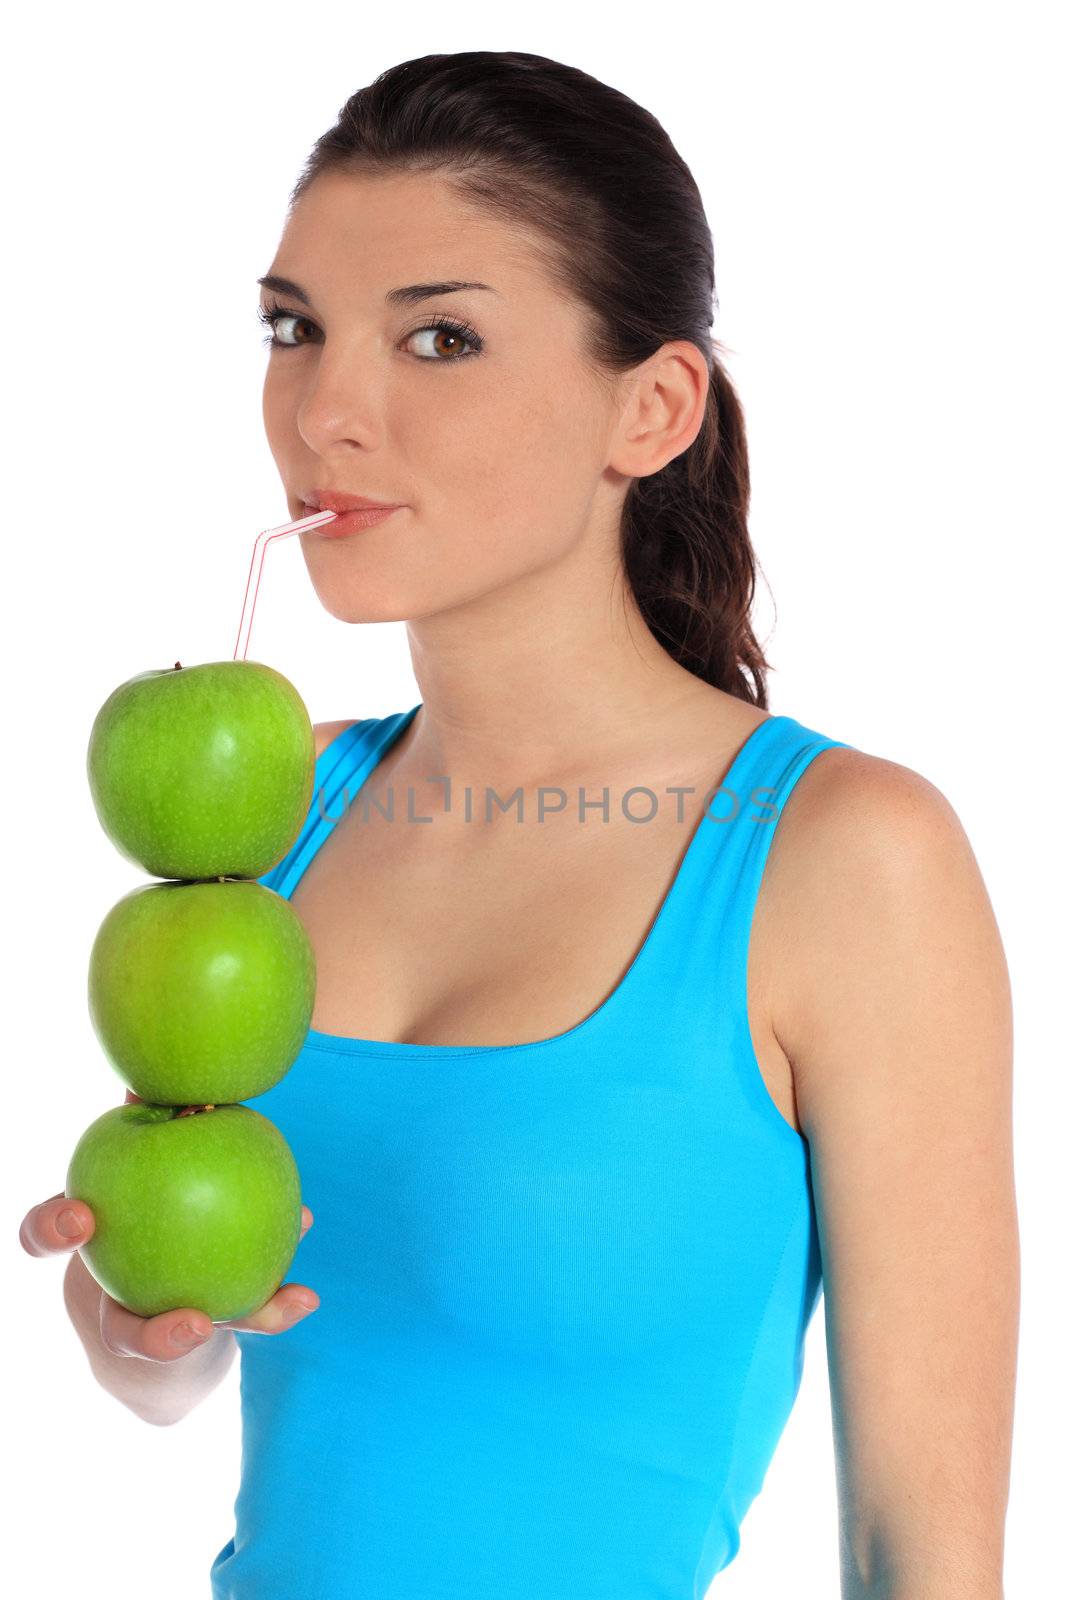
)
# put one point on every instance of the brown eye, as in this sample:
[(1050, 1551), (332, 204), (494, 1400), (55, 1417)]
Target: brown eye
[(275, 315), (440, 342), (443, 334)]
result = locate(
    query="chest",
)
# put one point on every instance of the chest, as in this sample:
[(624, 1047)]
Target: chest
[(502, 931)]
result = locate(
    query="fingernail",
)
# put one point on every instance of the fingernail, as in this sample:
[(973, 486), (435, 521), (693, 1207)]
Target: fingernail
[(295, 1311), (186, 1334), (69, 1225)]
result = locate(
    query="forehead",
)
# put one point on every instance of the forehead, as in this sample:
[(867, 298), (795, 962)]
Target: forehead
[(398, 228)]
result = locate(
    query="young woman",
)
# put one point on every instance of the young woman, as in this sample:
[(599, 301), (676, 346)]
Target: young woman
[(605, 1084)]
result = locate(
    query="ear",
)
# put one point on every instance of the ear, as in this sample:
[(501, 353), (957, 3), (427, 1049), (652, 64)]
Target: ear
[(667, 399)]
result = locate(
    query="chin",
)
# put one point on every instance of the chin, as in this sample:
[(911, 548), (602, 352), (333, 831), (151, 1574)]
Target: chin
[(372, 609), (344, 612)]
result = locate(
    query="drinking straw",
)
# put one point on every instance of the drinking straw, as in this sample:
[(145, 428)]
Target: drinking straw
[(253, 582)]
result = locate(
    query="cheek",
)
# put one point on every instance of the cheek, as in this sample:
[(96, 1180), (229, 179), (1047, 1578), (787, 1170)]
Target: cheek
[(277, 414), (504, 462)]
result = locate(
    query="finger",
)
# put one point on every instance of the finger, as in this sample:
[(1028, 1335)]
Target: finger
[(165, 1337), (307, 1220), (56, 1225), (290, 1304)]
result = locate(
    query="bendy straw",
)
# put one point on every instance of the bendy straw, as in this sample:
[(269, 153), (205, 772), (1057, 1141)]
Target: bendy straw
[(253, 583)]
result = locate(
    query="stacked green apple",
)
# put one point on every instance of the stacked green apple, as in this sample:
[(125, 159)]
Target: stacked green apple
[(201, 989)]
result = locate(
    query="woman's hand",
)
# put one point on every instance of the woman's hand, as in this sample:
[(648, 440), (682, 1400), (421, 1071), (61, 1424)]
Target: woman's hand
[(60, 1226)]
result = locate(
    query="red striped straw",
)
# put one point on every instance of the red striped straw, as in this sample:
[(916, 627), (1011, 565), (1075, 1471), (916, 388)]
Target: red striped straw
[(253, 582)]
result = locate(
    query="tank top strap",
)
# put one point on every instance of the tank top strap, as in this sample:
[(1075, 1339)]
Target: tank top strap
[(732, 842), (694, 963), (339, 773), (733, 863)]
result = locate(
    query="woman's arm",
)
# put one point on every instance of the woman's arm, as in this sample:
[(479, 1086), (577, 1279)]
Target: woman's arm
[(155, 1390), (896, 1015)]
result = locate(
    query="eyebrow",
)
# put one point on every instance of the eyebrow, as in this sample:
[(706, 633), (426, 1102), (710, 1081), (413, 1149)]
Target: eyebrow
[(407, 295)]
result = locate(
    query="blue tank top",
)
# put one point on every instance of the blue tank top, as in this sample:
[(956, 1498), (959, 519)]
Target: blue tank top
[(565, 1285)]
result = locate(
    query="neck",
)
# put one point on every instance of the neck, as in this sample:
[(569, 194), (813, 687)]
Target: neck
[(533, 679)]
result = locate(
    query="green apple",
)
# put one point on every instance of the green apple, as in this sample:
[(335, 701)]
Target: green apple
[(201, 992), (192, 1208), (203, 772)]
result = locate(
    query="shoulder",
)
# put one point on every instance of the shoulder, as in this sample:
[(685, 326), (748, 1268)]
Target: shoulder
[(853, 813), (326, 732), (873, 809), (875, 886)]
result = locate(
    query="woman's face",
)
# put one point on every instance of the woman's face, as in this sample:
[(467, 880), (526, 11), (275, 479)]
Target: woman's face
[(501, 458)]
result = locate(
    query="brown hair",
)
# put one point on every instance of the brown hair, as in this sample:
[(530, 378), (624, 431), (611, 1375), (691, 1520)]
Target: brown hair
[(599, 194)]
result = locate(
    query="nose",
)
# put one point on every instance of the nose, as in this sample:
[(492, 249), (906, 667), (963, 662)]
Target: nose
[(342, 404)]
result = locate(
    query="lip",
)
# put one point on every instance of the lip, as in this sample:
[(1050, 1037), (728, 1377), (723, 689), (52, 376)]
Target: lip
[(346, 522), (333, 500)]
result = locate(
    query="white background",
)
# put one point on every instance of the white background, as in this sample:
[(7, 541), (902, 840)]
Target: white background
[(894, 194)]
